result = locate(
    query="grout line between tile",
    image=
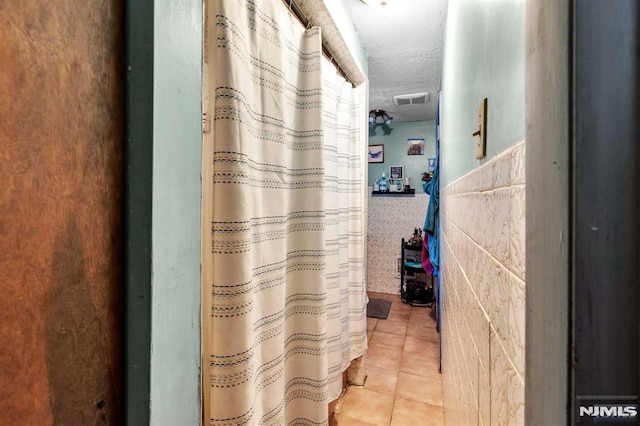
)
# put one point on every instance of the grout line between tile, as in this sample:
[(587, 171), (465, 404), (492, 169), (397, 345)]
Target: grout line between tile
[(509, 151), (492, 328), (484, 250), (395, 395), (468, 282)]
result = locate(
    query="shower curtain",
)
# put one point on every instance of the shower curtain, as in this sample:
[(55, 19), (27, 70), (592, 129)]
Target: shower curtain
[(287, 292), (344, 166)]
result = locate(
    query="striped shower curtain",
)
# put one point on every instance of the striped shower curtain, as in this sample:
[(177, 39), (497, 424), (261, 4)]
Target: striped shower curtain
[(344, 167), (285, 306)]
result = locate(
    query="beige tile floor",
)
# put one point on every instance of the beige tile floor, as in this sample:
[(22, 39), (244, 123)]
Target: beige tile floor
[(403, 386)]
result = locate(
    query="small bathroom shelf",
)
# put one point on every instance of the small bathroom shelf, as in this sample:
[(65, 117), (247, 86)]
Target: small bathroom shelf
[(409, 193)]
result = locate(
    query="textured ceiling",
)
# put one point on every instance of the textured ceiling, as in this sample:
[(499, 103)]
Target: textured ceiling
[(404, 42)]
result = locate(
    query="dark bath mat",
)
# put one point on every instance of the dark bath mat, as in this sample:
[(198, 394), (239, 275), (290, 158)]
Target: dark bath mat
[(378, 308)]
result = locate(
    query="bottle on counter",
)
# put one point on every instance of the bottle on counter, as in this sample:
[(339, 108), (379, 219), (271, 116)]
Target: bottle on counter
[(383, 183), (376, 186)]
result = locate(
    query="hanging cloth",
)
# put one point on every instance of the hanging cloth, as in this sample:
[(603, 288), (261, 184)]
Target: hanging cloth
[(287, 305), (426, 262), (432, 220)]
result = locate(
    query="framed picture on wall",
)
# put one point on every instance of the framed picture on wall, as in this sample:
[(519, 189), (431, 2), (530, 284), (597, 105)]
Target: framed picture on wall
[(396, 172), (415, 146), (376, 153)]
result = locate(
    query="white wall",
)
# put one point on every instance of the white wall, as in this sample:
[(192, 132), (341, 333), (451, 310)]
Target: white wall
[(483, 277), (392, 218), (177, 164), (483, 57), (482, 244), (389, 220), (395, 150)]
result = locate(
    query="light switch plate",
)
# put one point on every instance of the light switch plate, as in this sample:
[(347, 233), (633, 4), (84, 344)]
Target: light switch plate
[(481, 133)]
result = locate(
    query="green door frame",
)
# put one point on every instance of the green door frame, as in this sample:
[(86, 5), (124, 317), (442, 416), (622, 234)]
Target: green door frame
[(163, 110)]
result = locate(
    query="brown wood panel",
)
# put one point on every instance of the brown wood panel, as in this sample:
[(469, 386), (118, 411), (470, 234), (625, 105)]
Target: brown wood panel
[(61, 183)]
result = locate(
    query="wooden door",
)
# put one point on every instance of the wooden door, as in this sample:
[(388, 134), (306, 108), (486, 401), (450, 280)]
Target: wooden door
[(61, 183)]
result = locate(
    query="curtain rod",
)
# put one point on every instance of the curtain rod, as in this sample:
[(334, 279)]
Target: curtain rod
[(295, 10)]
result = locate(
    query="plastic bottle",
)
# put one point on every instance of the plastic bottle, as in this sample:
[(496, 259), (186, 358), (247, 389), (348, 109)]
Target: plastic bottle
[(383, 183)]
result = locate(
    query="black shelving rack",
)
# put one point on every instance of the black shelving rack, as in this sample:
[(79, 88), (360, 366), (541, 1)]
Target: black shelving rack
[(410, 264)]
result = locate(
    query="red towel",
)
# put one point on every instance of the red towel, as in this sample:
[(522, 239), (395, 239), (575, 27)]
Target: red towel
[(426, 263)]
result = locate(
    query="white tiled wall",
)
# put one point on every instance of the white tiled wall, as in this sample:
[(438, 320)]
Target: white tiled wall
[(389, 220), (483, 281)]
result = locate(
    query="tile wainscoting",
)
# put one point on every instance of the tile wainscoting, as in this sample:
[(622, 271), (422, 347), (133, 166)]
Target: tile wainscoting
[(483, 272), (389, 220)]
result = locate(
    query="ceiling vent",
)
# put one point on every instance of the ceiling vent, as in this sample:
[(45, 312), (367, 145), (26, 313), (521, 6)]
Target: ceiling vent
[(411, 99)]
